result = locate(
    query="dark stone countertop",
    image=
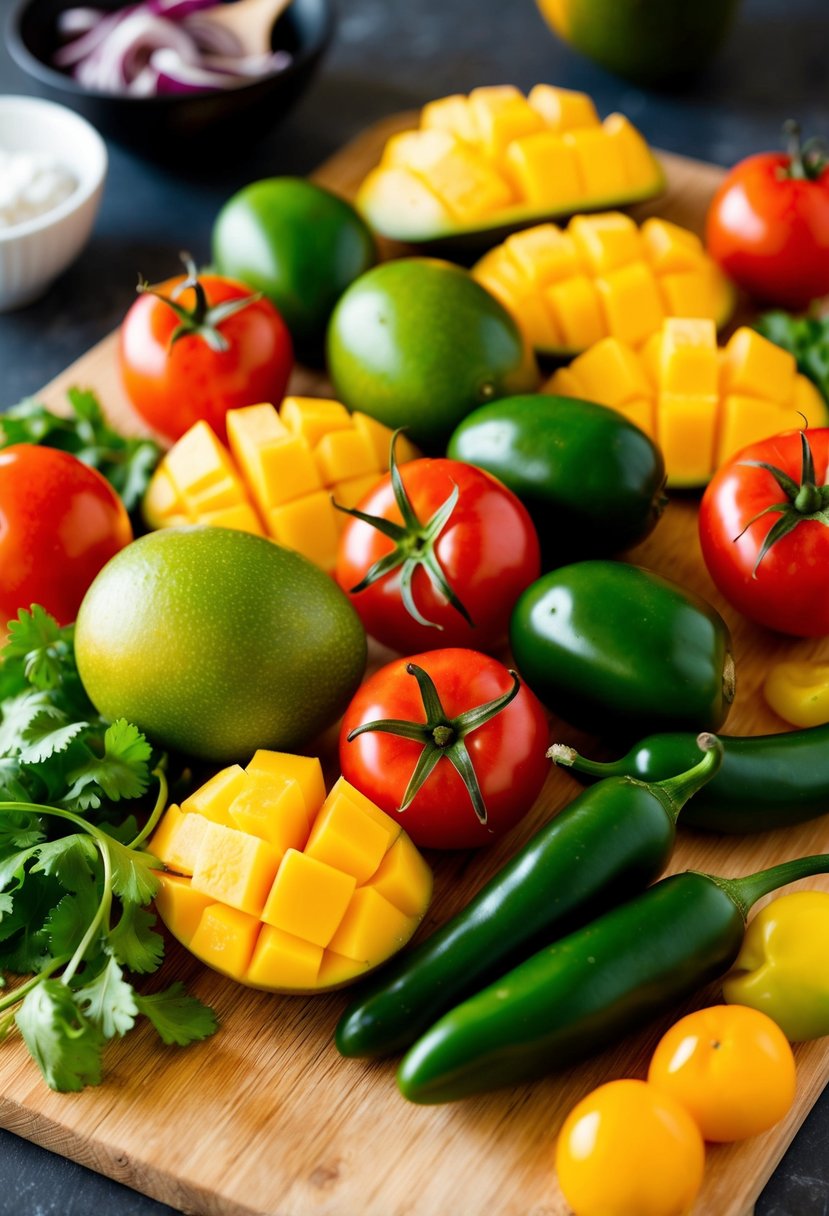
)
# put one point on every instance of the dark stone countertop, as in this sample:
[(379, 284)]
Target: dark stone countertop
[(390, 55)]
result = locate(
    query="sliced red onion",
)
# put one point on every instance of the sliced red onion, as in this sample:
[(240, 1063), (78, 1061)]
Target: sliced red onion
[(76, 21), (159, 46)]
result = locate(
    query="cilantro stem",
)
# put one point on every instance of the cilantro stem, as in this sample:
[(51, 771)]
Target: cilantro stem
[(157, 811), (17, 994), (100, 918), (41, 808)]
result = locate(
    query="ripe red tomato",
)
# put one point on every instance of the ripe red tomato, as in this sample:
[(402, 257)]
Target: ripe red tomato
[(487, 550), (768, 226), (507, 752), (60, 522), (788, 587), (174, 383)]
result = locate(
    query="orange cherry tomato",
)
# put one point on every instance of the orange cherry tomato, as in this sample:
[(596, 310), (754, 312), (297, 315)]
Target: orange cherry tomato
[(731, 1067), (628, 1149)]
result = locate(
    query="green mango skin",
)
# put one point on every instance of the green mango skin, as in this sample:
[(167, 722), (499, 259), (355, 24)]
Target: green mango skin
[(591, 480), (618, 650), (651, 42), (418, 343), (298, 244)]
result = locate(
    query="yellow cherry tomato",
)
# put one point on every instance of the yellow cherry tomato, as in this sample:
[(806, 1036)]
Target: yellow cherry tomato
[(799, 692), (628, 1149), (731, 1068)]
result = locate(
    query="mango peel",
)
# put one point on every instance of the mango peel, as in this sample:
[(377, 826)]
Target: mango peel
[(282, 888)]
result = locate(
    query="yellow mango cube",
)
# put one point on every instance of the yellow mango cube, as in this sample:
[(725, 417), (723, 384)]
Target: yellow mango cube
[(641, 411), (498, 125), (519, 295), (599, 157), (745, 420), (606, 241), (162, 501), (342, 836), (650, 356), (452, 114), (563, 109), (305, 771), (669, 248), (631, 303), (380, 438), (638, 167), (314, 417), (610, 372), (565, 383), (349, 492), (402, 877), (544, 171), (272, 808), (308, 898), (754, 367), (178, 839), (235, 868), (468, 185), (337, 970), (578, 313), (807, 400), (691, 294), (307, 524), (344, 789), (226, 939), (686, 428), (198, 462), (179, 906), (415, 206), (243, 518), (341, 454), (542, 255), (213, 798), (371, 929), (688, 356), (281, 960)]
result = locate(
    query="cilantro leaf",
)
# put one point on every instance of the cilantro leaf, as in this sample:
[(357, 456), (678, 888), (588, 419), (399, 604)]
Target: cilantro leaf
[(42, 644), (68, 858), (69, 919), (123, 771), (177, 1017), (65, 1045), (44, 739), (18, 713), (18, 829), (134, 873), (134, 942), (108, 1001), (126, 461)]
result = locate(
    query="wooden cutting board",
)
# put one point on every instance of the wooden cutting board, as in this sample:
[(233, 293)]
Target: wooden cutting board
[(266, 1118)]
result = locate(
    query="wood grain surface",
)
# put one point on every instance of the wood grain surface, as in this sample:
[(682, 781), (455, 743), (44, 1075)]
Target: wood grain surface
[(266, 1118)]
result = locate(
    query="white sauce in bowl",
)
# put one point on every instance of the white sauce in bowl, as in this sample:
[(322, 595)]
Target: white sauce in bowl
[(31, 183)]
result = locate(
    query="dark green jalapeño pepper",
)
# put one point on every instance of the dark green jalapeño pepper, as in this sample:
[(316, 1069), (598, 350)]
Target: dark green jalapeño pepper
[(765, 781), (617, 649), (591, 480), (591, 988), (609, 843)]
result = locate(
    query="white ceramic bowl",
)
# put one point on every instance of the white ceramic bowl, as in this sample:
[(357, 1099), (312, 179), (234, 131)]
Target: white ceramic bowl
[(34, 252)]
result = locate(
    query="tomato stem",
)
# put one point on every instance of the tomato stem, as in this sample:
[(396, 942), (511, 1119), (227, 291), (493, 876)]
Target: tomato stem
[(201, 320), (805, 500), (806, 161)]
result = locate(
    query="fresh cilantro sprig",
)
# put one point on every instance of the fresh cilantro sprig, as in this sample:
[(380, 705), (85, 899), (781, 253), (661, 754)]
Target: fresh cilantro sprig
[(127, 462), (79, 997), (75, 879), (54, 746), (807, 338)]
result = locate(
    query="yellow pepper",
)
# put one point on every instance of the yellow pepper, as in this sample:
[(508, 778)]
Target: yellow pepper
[(783, 967), (799, 692)]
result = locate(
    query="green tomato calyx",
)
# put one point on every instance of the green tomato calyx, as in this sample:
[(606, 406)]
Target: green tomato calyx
[(414, 545), (808, 160), (805, 500), (200, 321), (441, 736)]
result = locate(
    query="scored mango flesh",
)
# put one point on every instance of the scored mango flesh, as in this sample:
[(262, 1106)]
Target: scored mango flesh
[(603, 276), (497, 155), (279, 476), (282, 888), (700, 404)]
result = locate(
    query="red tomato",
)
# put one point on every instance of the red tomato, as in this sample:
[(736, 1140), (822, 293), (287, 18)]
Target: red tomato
[(60, 522), (507, 752), (789, 590), (172, 386), (487, 551), (769, 228)]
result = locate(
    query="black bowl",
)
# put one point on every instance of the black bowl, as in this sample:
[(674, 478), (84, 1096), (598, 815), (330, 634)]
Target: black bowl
[(177, 125)]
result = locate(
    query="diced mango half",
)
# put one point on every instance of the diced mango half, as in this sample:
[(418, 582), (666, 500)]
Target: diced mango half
[(603, 277), (279, 476), (701, 404), (497, 159), (281, 887)]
